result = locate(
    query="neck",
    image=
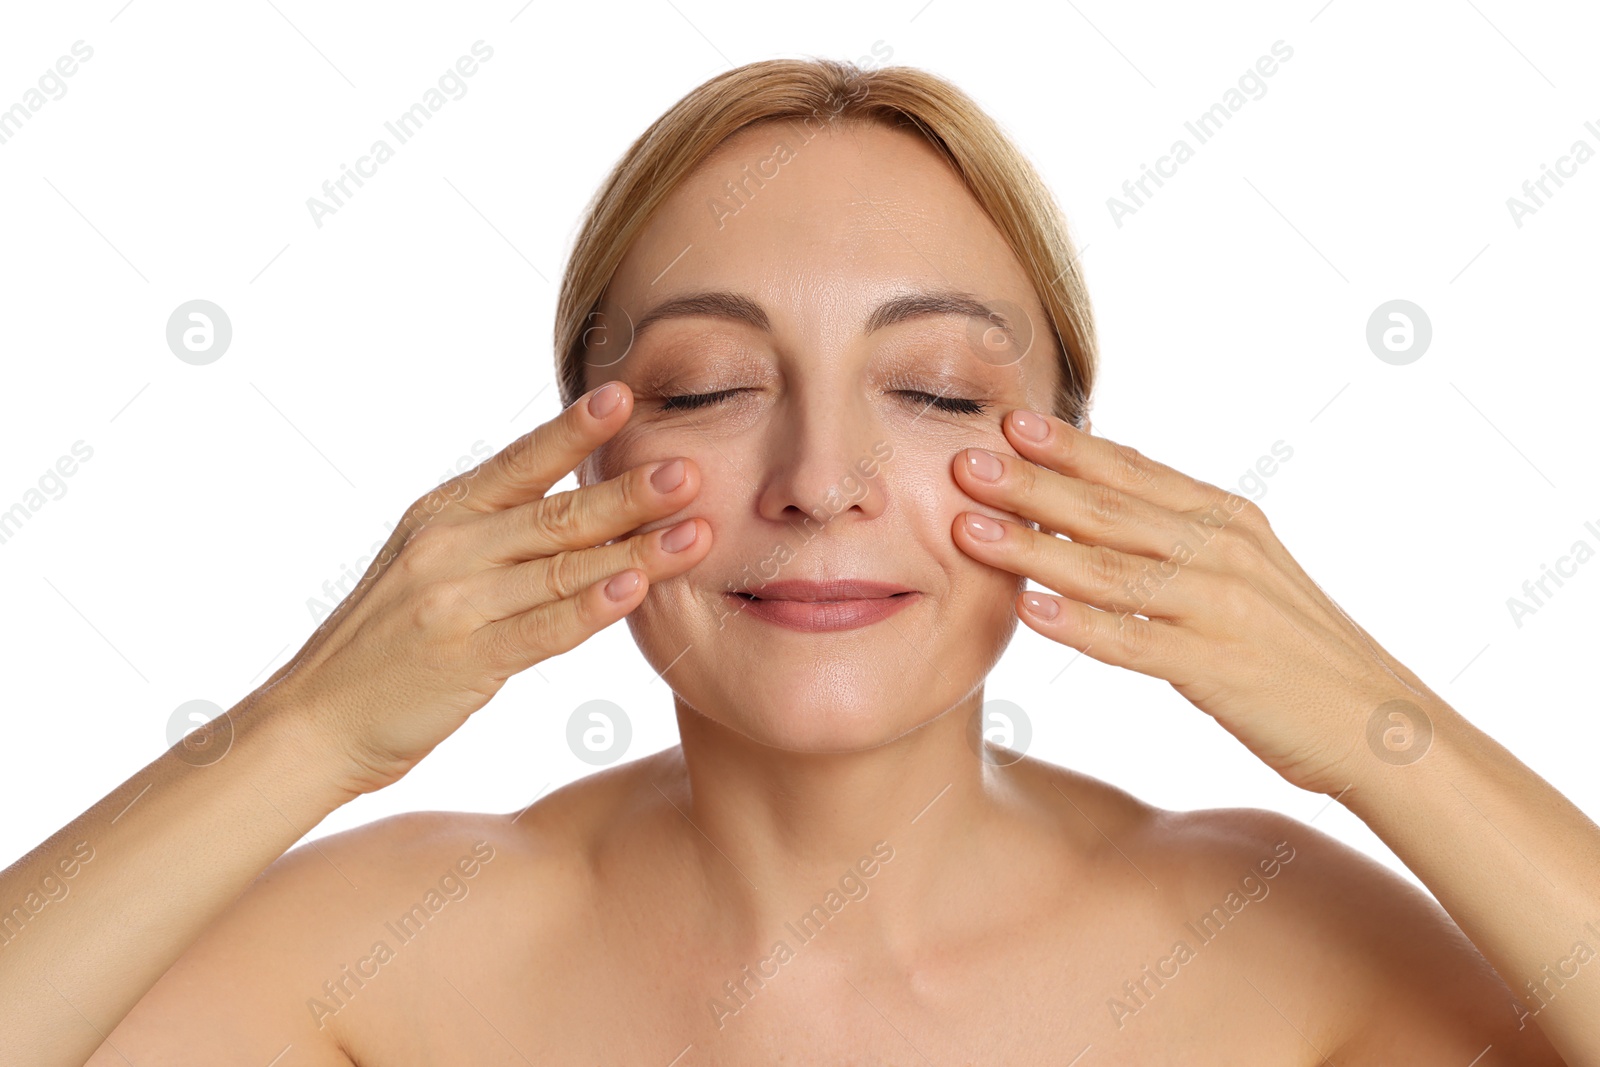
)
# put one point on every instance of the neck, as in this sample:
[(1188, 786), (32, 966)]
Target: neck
[(778, 833)]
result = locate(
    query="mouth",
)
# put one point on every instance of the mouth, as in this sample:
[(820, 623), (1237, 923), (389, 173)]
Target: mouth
[(812, 607), (836, 589)]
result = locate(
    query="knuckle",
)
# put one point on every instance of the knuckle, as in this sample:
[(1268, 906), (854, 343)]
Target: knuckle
[(1250, 515), (1102, 566), (1135, 635), (521, 456), (1233, 512), (438, 498), (559, 515), (1133, 468), (1107, 507), (1236, 546), (1237, 599), (1220, 534), (537, 634), (434, 606), (424, 551), (633, 496), (427, 507), (584, 618), (563, 575), (644, 552), (496, 650), (1226, 532), (1024, 477), (1143, 581), (503, 649)]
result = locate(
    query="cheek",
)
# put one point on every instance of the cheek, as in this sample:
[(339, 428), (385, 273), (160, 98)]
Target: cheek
[(924, 485), (720, 481), (921, 477)]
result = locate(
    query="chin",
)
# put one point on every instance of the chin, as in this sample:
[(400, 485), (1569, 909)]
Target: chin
[(831, 705), (841, 691)]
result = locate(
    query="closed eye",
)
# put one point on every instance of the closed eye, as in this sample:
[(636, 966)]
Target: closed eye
[(956, 404), (694, 400)]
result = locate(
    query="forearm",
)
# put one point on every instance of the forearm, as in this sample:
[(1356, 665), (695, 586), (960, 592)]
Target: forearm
[(1514, 862), (91, 918)]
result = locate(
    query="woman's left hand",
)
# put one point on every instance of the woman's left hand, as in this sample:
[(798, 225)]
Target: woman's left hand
[(1178, 579)]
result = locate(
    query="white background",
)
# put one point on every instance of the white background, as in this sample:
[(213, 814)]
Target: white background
[(372, 354)]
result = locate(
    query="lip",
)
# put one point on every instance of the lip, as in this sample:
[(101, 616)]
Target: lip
[(816, 607), (812, 592)]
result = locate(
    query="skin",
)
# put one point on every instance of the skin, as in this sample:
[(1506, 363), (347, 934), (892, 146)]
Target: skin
[(998, 904)]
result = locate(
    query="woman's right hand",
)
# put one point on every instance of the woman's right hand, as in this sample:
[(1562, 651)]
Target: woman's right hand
[(484, 577)]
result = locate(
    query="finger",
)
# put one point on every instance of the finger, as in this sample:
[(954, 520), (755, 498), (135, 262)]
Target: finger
[(587, 516), (1064, 448), (517, 643), (1086, 511), (526, 468), (1104, 577), (661, 554), (1144, 645)]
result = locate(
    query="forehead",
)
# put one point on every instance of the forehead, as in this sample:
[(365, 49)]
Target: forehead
[(820, 226)]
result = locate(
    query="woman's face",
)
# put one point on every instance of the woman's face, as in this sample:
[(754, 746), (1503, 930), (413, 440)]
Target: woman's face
[(827, 458)]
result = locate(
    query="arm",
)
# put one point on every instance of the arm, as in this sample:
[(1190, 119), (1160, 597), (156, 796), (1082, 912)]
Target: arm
[(1514, 862), (151, 866), (1172, 577), (291, 974), (484, 577)]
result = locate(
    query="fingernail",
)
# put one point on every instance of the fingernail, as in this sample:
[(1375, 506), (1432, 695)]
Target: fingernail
[(679, 537), (623, 585), (668, 476), (605, 400), (983, 465), (984, 529), (1030, 424), (1043, 606)]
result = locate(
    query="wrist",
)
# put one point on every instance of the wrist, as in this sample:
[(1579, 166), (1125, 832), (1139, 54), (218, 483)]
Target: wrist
[(308, 757), (1410, 751)]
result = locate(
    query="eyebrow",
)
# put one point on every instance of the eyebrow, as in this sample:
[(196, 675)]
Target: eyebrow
[(736, 307)]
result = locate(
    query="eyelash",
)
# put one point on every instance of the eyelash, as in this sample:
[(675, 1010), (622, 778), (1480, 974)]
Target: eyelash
[(694, 400), (953, 404)]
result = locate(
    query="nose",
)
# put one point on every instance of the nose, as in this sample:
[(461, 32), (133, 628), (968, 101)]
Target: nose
[(827, 456)]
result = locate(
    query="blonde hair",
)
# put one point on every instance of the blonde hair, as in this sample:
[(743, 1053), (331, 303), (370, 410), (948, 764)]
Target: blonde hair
[(999, 177)]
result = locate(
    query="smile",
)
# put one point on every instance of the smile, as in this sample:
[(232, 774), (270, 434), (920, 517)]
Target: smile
[(813, 607)]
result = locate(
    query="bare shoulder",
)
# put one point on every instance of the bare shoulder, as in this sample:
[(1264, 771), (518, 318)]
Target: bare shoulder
[(472, 912), (1298, 929), (1342, 946), (327, 943)]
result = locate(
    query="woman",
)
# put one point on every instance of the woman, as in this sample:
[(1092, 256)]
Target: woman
[(827, 363)]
